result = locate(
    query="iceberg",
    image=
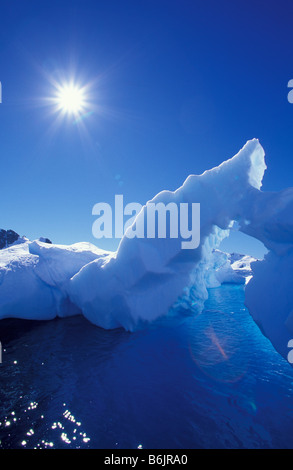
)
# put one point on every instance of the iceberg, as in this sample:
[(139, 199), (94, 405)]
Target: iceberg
[(233, 268), (34, 277), (147, 277)]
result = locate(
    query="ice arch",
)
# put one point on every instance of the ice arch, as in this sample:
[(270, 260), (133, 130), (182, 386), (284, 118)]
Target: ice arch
[(145, 277)]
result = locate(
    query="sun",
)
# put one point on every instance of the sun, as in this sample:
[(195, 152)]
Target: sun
[(71, 99)]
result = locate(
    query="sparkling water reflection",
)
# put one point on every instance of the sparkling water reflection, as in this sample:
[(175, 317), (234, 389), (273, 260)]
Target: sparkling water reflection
[(198, 381)]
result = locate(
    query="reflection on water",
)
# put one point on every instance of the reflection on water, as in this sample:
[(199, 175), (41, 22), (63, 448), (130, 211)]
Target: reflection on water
[(202, 381)]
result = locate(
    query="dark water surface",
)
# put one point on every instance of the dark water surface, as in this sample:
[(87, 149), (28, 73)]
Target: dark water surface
[(198, 381)]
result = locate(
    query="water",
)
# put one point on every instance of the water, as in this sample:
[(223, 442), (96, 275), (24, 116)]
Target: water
[(198, 381)]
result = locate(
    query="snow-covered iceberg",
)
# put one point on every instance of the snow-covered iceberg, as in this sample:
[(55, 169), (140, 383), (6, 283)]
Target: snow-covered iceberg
[(34, 278), (146, 277), (233, 268)]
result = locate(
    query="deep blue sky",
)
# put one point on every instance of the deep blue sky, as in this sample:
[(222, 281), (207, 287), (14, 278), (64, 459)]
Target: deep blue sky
[(179, 86)]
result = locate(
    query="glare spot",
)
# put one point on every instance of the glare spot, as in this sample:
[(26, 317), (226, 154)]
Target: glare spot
[(70, 99), (64, 438)]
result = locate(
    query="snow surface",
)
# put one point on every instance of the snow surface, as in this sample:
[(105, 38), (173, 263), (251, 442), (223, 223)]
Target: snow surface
[(145, 278), (34, 278), (233, 268)]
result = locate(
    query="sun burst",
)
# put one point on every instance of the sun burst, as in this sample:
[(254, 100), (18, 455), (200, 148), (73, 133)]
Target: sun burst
[(71, 99)]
